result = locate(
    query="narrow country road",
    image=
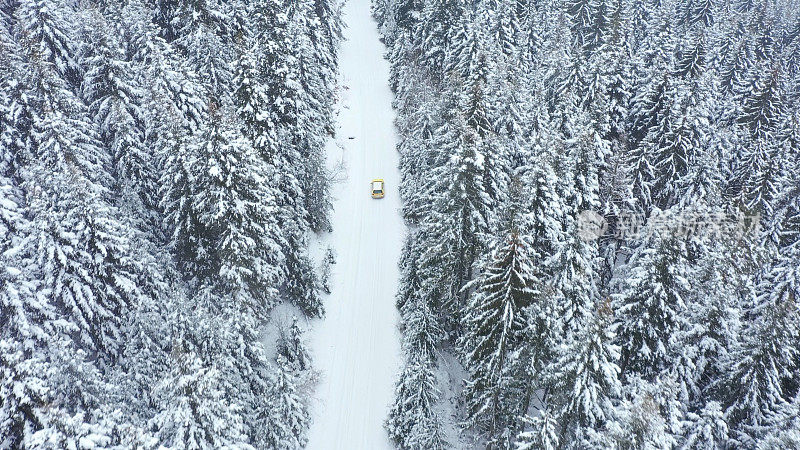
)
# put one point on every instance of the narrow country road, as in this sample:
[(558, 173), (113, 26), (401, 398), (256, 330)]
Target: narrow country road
[(356, 347)]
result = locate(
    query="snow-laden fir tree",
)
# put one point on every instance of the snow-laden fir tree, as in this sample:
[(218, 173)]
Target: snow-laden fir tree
[(787, 432), (494, 324), (709, 328), (416, 148), (761, 373), (316, 39), (585, 378), (651, 297), (115, 105), (195, 413), (292, 349), (706, 429), (576, 259), (45, 32), (222, 213), (288, 417), (453, 234), (540, 432), (414, 422), (438, 20)]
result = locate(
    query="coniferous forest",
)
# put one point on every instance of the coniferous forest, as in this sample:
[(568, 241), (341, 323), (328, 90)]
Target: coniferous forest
[(153, 155), (603, 199)]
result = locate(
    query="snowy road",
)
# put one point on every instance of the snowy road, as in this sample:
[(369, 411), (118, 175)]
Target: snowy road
[(356, 346)]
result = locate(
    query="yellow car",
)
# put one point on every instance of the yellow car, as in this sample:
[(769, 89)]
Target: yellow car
[(377, 188)]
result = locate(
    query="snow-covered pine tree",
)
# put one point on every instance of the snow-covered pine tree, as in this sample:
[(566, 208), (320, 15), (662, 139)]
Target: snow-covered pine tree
[(46, 33), (453, 234), (543, 208), (223, 216), (651, 297), (576, 261), (194, 412), (417, 152), (266, 99), (409, 271), (762, 365), (81, 249), (288, 417), (413, 422), (585, 378), (293, 351), (316, 41), (423, 334), (24, 388), (476, 104), (203, 34), (23, 313), (759, 166), (649, 107), (115, 102), (23, 368), (709, 328), (114, 98), (581, 14), (691, 61), (643, 416), (707, 429), (786, 433), (439, 19), (494, 323), (673, 142), (541, 433), (653, 86), (224, 333)]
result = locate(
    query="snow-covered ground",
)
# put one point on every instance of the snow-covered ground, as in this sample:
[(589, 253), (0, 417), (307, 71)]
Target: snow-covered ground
[(356, 347)]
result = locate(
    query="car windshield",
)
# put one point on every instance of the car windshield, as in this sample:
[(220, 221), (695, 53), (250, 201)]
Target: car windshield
[(377, 191)]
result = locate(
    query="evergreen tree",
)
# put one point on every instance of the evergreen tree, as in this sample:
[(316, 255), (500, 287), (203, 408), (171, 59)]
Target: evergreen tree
[(288, 417), (651, 299), (585, 377), (762, 364), (439, 19), (453, 234), (115, 103), (787, 433), (542, 435), (222, 214), (24, 387), (576, 277), (293, 350), (267, 101), (195, 413), (708, 429), (763, 105), (47, 36), (413, 421), (494, 326)]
